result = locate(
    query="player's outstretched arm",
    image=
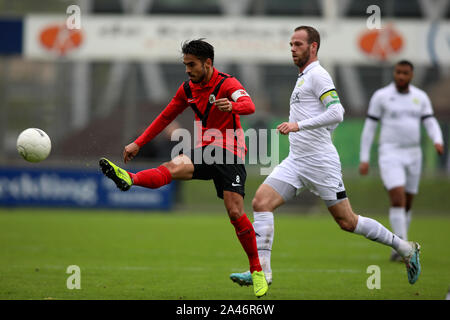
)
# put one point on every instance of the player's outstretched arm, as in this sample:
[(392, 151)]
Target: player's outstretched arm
[(177, 105)]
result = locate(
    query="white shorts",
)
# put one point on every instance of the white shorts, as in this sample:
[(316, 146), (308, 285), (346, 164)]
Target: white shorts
[(319, 174), (401, 167)]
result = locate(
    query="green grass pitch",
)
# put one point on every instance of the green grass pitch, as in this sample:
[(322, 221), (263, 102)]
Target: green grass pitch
[(182, 255)]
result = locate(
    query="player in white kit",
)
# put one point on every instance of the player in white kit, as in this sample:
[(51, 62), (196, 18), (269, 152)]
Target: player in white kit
[(313, 162), (401, 108)]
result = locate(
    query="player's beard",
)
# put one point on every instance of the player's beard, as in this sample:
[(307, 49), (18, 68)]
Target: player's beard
[(303, 59), (202, 77), (402, 88)]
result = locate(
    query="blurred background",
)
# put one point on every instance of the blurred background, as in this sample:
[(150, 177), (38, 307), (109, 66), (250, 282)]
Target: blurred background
[(95, 89)]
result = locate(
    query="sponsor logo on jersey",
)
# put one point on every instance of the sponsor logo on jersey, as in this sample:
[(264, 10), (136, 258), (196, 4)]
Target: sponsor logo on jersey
[(300, 83), (295, 97)]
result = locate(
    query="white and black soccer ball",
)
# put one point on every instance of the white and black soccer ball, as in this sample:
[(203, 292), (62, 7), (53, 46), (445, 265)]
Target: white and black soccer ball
[(34, 145)]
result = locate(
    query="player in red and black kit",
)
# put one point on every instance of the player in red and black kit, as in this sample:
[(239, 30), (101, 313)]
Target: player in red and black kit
[(217, 100)]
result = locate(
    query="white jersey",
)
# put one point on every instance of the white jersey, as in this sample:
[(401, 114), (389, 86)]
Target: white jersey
[(401, 115), (313, 162), (313, 95)]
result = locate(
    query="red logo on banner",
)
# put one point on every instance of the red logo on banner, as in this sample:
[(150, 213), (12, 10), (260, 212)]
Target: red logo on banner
[(59, 39), (381, 43)]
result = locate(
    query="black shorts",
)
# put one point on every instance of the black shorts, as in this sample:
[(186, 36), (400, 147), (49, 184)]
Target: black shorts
[(229, 174)]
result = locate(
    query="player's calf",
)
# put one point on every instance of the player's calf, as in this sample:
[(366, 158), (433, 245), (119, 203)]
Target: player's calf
[(152, 178), (343, 214)]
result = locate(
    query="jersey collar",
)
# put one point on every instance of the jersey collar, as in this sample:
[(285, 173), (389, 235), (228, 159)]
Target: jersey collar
[(394, 87), (309, 67)]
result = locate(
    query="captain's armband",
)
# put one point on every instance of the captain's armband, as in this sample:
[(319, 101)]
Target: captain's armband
[(329, 98)]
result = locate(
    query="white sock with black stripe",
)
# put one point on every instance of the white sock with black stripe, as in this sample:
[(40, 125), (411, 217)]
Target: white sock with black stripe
[(375, 231)]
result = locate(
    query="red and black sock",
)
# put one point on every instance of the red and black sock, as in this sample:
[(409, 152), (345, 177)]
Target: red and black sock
[(246, 235)]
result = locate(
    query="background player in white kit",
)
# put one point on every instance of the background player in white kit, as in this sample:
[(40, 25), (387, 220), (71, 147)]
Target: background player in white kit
[(313, 162), (401, 108)]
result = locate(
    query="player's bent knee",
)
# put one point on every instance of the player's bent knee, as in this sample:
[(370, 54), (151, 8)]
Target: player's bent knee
[(344, 216), (266, 199), (173, 168), (181, 159), (260, 204), (179, 170)]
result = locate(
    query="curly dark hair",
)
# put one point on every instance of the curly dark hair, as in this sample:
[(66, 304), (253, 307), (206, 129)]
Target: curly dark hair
[(199, 48)]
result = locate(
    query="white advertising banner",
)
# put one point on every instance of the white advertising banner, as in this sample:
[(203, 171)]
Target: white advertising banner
[(240, 39)]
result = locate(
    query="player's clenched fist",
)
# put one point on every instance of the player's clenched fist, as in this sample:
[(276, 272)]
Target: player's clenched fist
[(130, 151), (287, 127), (224, 105)]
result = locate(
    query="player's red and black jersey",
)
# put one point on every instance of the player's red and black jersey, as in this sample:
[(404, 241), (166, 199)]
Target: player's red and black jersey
[(198, 97)]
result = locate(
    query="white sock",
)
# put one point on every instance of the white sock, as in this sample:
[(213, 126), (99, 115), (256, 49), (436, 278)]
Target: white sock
[(264, 229), (373, 230), (397, 218), (408, 220)]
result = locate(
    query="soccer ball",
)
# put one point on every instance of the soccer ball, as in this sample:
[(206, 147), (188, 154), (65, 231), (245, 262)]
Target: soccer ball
[(34, 145)]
